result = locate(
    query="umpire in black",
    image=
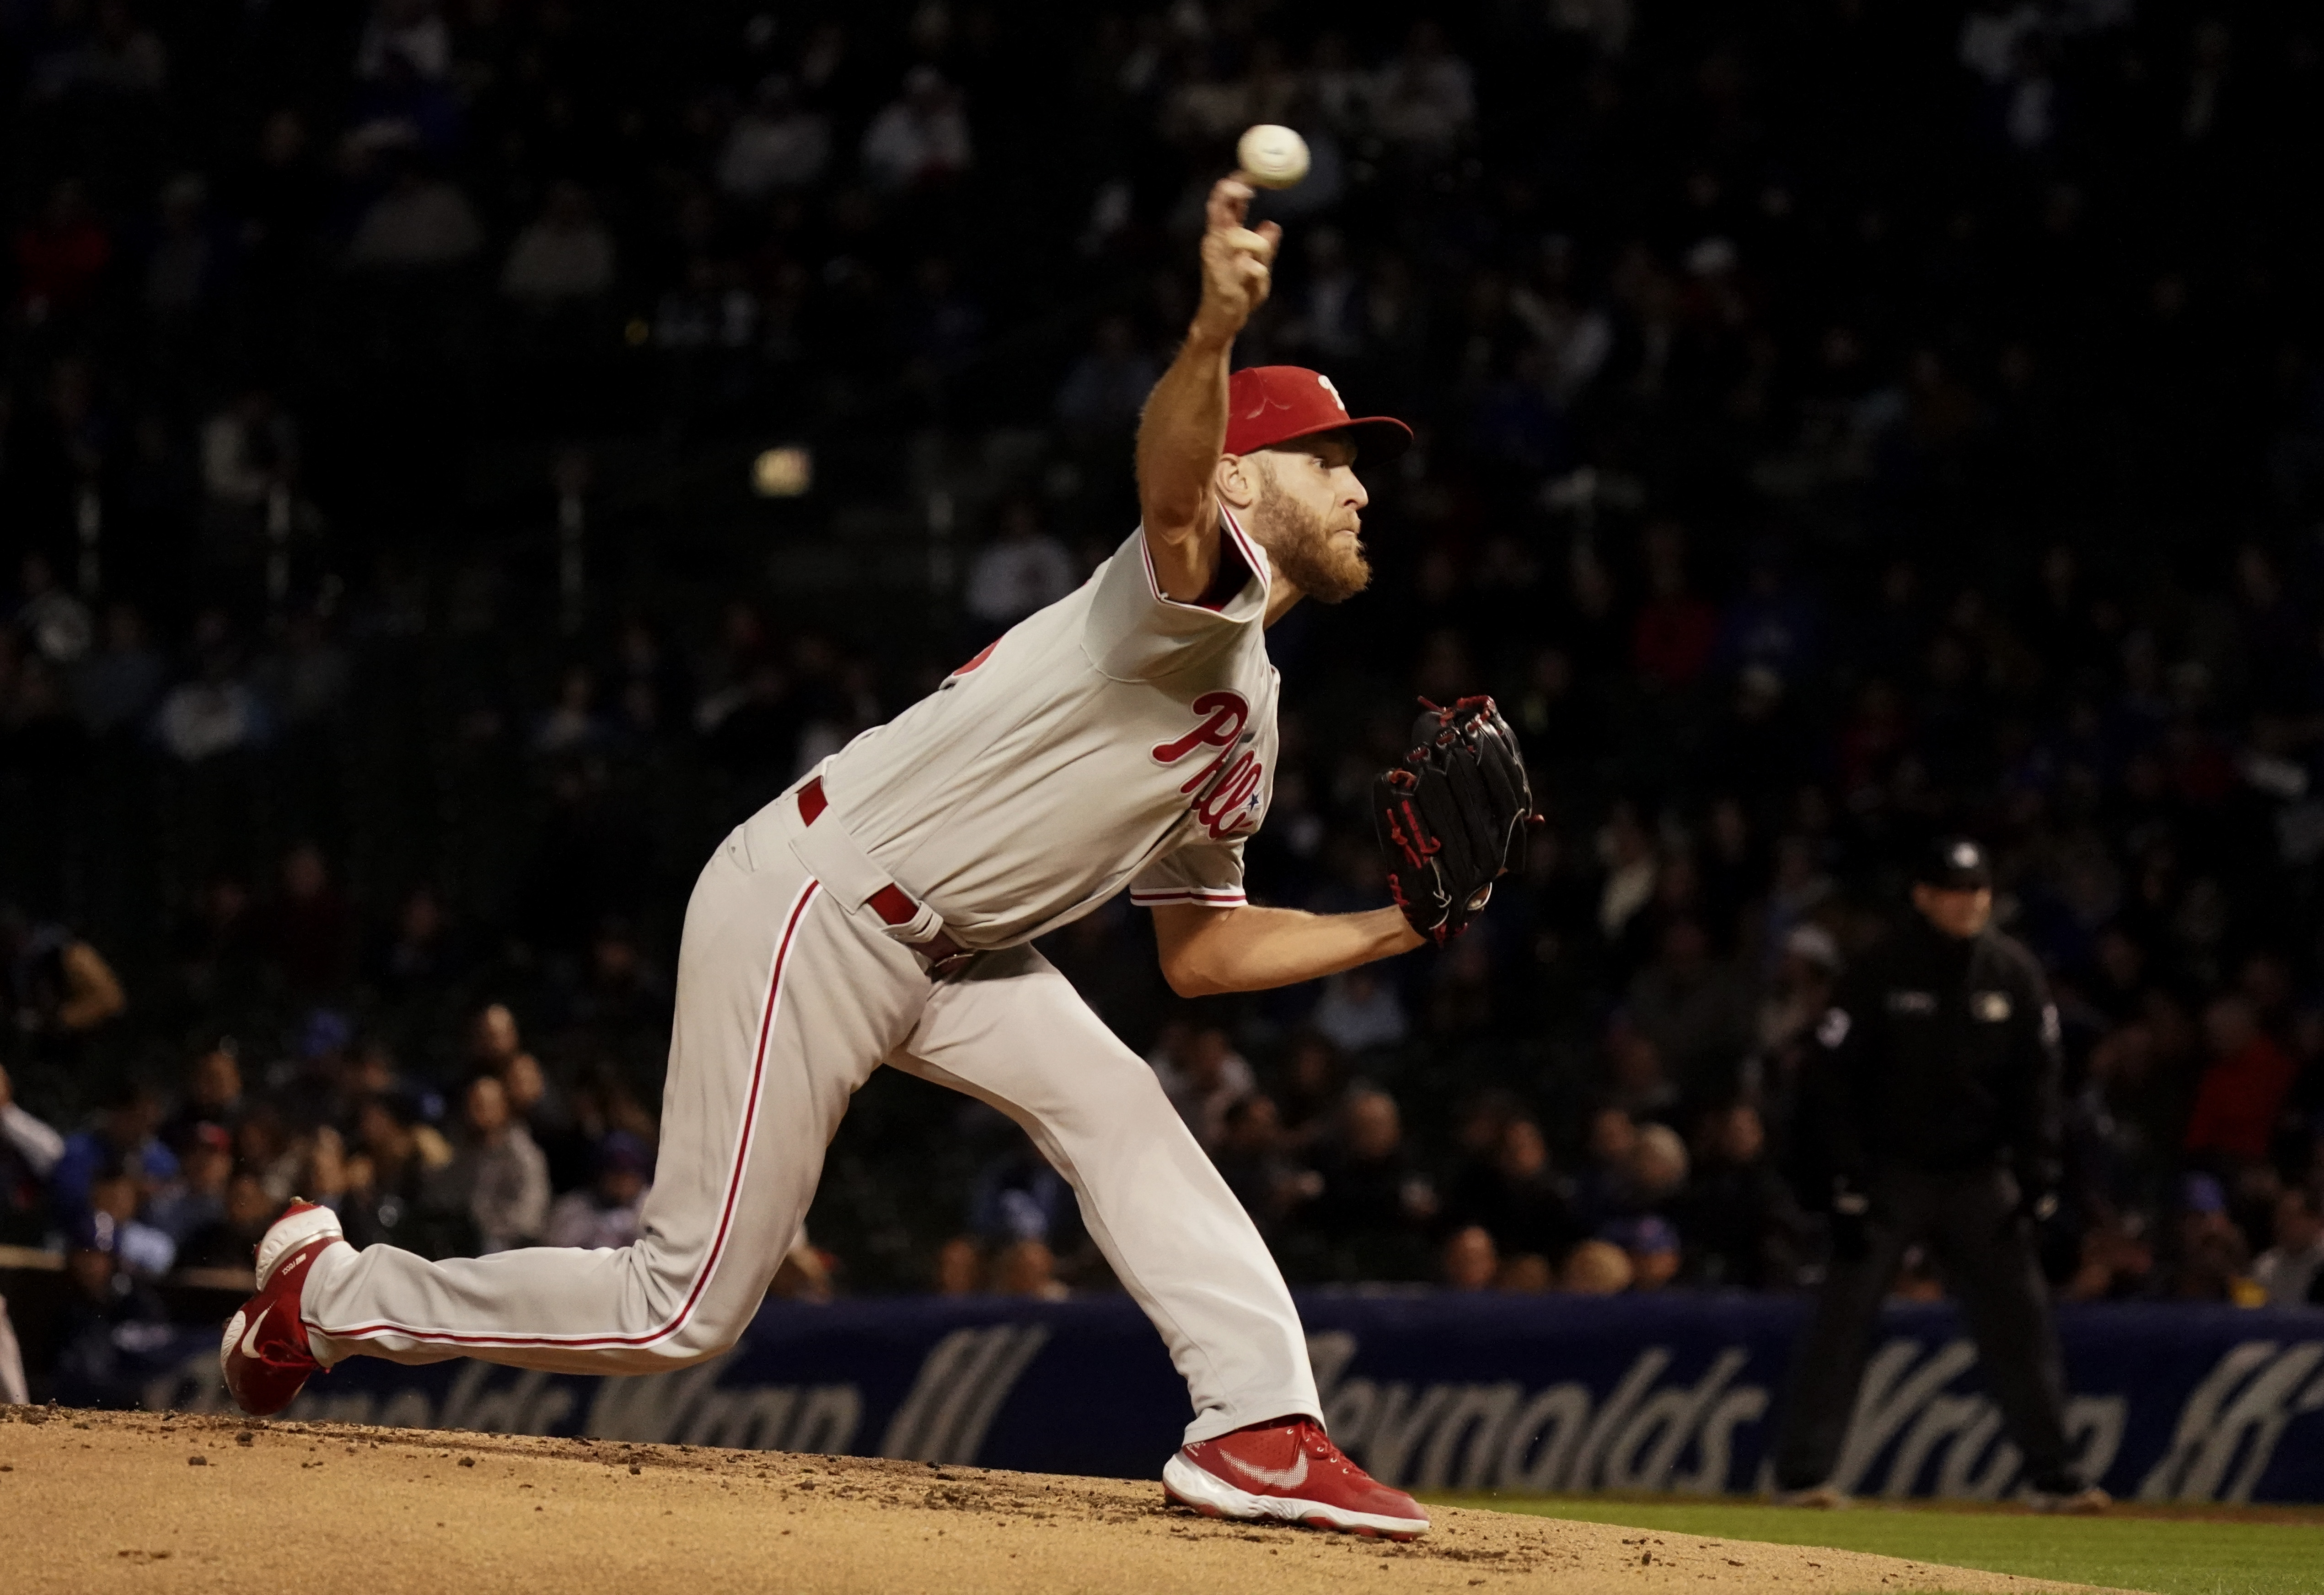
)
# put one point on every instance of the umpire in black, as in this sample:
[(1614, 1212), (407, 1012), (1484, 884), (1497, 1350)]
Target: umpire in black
[(1930, 1113)]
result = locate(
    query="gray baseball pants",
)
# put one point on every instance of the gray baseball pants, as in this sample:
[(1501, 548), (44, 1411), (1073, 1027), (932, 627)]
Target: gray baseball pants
[(787, 1001)]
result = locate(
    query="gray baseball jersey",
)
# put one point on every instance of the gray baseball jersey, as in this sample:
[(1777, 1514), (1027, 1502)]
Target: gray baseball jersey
[(1118, 737)]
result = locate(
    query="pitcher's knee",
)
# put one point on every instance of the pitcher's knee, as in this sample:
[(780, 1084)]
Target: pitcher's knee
[(693, 1319), (703, 1335)]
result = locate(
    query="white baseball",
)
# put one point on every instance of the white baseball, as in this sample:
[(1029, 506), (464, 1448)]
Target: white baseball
[(1272, 157)]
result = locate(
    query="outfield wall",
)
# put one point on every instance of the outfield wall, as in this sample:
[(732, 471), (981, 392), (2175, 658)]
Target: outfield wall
[(1675, 1392)]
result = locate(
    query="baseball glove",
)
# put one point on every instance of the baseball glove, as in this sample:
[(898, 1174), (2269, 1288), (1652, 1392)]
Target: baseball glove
[(1451, 814)]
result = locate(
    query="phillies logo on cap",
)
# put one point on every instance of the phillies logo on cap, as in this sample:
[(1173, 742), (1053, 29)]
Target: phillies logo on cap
[(1272, 404)]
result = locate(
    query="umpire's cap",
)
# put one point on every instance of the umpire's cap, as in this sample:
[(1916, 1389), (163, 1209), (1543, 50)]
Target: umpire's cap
[(1954, 864)]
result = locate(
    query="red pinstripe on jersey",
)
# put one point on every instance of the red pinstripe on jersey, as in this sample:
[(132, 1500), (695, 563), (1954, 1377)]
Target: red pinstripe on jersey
[(726, 1214), (1216, 896)]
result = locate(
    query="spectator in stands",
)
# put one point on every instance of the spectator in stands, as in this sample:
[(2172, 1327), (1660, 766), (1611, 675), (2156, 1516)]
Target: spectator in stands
[(2292, 1271), (305, 680), (1329, 325), (1696, 1011), (1637, 1083), (1102, 395), (409, 33), (122, 1142), (1022, 569), (113, 1324), (1737, 1217), (497, 1175), (231, 1241), (1602, 1189), (959, 1267), (1027, 1268), (197, 1199), (572, 723), (213, 712), (60, 256), (213, 1096), (250, 450), (1017, 1196), (29, 1152), (1308, 1093), (1203, 1076), (920, 138), (566, 256), (777, 145), (184, 269), (15, 1386), (1372, 1205), (804, 1274), (1513, 1196), (261, 1146), (424, 958), (1360, 1012), (59, 990), (598, 1104), (1650, 1242), (397, 1188), (2115, 1263), (50, 619), (1251, 1158), (2242, 1092), (1656, 1173), (496, 1047), (308, 929), (1596, 1267), (607, 1214), (1470, 1259), (1426, 97), (2211, 1261), (1675, 630), (1799, 995), (116, 686), (422, 223), (117, 1202)]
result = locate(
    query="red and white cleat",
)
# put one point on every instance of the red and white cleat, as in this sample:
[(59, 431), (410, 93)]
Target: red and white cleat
[(264, 1355), (1288, 1470)]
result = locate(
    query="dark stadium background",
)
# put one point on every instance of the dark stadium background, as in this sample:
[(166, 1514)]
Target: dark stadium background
[(1839, 422)]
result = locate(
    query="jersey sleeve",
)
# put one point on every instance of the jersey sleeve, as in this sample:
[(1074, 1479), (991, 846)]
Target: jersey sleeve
[(1205, 872), (1137, 632)]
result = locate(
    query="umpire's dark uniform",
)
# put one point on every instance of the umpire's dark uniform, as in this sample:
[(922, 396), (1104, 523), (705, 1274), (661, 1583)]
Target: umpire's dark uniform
[(1930, 1113)]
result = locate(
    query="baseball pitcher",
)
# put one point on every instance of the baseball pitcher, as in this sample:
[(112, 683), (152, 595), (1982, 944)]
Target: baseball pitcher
[(882, 911)]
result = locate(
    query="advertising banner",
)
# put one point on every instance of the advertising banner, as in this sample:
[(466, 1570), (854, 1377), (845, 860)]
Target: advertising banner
[(1431, 1391)]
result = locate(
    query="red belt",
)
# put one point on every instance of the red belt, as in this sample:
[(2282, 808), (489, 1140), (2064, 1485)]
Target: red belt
[(891, 902)]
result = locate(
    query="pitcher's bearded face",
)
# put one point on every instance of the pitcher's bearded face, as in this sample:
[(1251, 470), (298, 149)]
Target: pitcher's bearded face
[(1307, 520)]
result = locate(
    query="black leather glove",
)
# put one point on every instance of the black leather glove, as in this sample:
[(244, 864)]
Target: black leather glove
[(1451, 816)]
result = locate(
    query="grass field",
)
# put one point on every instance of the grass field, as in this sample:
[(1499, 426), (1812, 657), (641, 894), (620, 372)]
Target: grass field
[(2238, 1552)]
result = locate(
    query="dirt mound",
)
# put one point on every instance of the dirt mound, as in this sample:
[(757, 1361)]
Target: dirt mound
[(99, 1501)]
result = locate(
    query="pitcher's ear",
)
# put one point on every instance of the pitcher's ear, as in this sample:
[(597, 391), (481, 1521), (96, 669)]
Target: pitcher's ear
[(1237, 480)]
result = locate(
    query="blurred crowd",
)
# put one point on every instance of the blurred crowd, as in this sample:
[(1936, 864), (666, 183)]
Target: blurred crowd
[(1838, 424)]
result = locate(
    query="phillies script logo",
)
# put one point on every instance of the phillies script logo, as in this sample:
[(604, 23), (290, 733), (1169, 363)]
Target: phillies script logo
[(1230, 801)]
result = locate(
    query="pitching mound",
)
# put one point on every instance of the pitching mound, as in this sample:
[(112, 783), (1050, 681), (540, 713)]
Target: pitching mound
[(102, 1501)]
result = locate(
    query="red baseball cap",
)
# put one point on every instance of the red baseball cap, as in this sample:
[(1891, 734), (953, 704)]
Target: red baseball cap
[(1272, 404)]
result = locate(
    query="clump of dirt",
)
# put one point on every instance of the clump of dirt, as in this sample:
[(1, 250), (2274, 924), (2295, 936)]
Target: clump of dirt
[(94, 1501)]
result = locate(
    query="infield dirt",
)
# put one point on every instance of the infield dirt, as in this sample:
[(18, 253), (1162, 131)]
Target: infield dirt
[(137, 1501)]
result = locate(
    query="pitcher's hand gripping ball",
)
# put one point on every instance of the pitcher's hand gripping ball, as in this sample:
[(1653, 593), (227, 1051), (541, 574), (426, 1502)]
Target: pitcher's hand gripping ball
[(1451, 816), (1271, 156)]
